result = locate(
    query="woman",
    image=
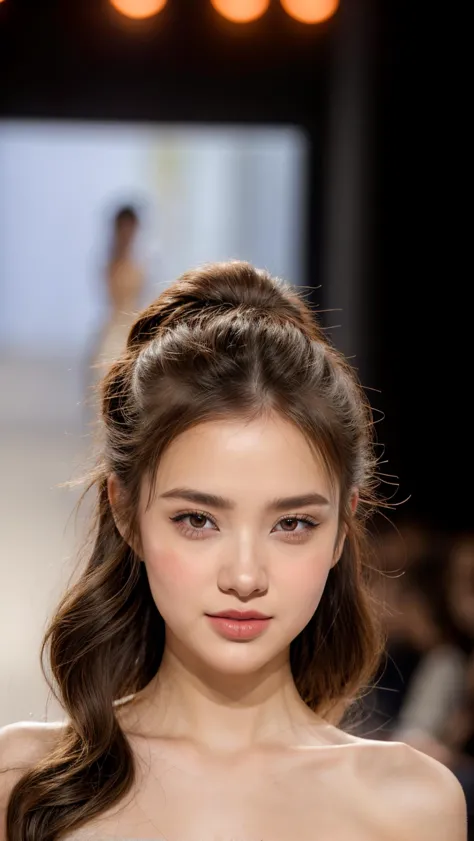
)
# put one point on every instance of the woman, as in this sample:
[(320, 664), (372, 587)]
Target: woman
[(222, 625), (124, 284)]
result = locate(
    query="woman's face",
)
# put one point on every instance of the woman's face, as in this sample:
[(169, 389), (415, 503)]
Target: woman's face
[(243, 518)]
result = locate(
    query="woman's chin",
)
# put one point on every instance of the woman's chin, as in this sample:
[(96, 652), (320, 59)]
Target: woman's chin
[(238, 659)]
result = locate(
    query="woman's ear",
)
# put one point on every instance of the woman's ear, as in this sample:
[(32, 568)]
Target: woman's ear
[(354, 500), (114, 493), (117, 506), (353, 503)]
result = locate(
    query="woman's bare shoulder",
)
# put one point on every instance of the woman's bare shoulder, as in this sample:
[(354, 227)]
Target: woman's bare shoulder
[(22, 745), (423, 795), (26, 742)]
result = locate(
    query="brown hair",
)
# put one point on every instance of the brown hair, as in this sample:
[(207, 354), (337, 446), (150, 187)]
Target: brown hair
[(225, 339)]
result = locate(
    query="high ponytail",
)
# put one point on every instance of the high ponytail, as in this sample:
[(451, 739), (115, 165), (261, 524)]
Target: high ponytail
[(224, 340), (241, 288)]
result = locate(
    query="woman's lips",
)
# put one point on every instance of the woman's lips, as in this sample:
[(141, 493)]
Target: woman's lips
[(239, 625)]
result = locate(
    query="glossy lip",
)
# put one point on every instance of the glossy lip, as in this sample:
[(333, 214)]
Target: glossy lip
[(240, 628), (241, 615)]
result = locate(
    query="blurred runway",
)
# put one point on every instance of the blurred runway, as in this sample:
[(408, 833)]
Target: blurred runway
[(41, 446)]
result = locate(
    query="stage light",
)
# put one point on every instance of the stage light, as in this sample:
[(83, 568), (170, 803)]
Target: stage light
[(241, 11), (138, 9), (310, 11)]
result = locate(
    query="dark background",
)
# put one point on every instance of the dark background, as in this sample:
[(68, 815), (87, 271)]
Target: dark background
[(79, 59)]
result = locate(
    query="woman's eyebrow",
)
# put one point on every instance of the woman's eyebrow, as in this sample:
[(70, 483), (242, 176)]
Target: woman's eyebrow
[(215, 501)]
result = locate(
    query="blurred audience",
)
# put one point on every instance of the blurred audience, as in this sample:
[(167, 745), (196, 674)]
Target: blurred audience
[(437, 684), (424, 692)]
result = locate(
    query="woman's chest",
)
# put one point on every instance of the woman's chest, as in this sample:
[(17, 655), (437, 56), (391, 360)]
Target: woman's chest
[(175, 803)]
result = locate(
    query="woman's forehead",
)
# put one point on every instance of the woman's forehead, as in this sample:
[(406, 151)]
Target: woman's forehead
[(260, 459)]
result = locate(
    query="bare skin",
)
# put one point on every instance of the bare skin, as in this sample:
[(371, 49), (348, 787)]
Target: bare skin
[(124, 283), (124, 276), (226, 750), (125, 280), (340, 789)]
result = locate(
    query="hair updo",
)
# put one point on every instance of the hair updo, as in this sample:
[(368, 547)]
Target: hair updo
[(223, 340)]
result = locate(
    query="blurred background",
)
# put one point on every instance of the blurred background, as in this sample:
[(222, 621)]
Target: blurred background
[(318, 139)]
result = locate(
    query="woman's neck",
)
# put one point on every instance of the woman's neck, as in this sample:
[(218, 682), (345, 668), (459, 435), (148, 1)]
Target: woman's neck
[(222, 712)]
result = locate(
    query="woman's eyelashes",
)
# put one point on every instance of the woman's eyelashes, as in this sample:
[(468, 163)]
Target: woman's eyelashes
[(194, 524)]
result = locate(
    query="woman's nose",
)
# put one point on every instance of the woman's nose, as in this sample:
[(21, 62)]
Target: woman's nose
[(243, 570)]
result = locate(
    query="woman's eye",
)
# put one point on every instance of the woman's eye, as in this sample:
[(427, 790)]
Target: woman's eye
[(197, 521), (289, 525), (194, 521)]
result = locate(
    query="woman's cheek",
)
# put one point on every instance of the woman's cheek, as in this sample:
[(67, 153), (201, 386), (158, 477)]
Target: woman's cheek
[(169, 570), (306, 585), (164, 565)]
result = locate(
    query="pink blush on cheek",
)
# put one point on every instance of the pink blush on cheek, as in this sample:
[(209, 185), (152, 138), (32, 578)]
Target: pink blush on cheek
[(167, 567), (176, 585)]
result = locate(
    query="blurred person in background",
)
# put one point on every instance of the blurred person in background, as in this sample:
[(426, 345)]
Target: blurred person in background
[(124, 281), (461, 583), (124, 284), (437, 714), (395, 550), (424, 693), (397, 547), (437, 687)]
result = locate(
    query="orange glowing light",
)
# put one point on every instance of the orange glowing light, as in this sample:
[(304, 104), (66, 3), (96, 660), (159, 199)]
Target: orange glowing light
[(310, 11), (241, 11), (138, 9)]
